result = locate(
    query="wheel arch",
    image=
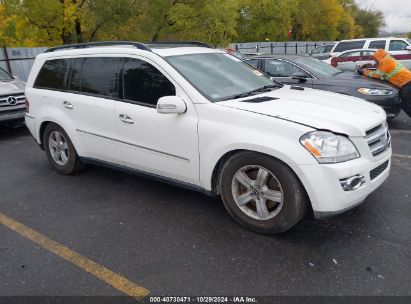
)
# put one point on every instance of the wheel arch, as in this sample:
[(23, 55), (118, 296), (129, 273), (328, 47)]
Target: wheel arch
[(216, 175)]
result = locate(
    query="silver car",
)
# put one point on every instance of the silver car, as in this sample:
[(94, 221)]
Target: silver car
[(12, 100)]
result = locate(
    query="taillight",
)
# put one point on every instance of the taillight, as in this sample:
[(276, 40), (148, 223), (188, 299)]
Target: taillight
[(27, 104)]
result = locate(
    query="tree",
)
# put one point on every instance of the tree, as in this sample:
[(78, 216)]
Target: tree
[(265, 19), (317, 19)]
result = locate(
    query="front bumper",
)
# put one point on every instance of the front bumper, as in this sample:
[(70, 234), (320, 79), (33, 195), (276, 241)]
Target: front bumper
[(14, 114), (322, 183)]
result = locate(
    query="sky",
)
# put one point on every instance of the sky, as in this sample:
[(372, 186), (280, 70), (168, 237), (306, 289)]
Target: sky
[(397, 13)]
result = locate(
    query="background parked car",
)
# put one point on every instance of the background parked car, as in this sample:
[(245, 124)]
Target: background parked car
[(310, 72), (12, 100), (398, 47), (322, 52), (349, 60)]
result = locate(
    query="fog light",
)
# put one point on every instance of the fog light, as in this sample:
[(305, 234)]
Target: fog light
[(352, 183)]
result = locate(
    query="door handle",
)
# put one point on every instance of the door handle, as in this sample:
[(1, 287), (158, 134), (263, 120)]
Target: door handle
[(125, 118), (68, 105)]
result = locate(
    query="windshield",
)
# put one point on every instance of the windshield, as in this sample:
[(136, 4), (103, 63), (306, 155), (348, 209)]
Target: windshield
[(317, 67), (4, 76), (220, 76)]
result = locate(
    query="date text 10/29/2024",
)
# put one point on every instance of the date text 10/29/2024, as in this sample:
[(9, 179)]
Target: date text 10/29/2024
[(237, 299)]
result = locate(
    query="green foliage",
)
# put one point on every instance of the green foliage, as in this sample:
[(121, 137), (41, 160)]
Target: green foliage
[(52, 22)]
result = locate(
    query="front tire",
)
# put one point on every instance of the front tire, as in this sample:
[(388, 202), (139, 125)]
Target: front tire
[(60, 150), (262, 193)]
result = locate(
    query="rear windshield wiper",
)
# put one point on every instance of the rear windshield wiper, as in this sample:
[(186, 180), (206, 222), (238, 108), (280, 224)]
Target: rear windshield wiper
[(265, 88)]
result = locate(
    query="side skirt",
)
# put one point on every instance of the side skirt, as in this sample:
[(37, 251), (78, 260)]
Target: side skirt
[(144, 174)]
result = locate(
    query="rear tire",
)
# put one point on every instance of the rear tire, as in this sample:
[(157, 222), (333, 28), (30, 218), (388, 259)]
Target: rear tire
[(60, 150), (262, 193)]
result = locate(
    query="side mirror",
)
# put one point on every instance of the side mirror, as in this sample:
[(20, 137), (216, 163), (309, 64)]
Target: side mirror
[(16, 77), (408, 48), (171, 105), (299, 76)]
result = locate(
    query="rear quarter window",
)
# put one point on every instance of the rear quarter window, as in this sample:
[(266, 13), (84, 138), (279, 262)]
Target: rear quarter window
[(349, 45), (52, 75)]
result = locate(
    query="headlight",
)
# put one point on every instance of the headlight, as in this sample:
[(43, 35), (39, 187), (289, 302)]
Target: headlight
[(375, 92), (328, 147)]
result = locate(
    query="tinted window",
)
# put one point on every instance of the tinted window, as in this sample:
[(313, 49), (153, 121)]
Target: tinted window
[(377, 44), (100, 75), (253, 62), (328, 48), (349, 45), (75, 81), (398, 45), (277, 68), (144, 83), (52, 75)]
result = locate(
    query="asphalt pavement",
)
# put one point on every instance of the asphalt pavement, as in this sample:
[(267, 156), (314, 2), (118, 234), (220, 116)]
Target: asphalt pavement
[(173, 241)]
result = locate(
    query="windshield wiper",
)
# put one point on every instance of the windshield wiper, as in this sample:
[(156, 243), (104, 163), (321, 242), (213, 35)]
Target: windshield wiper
[(265, 88)]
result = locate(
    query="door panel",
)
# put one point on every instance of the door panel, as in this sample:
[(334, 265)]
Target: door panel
[(162, 144)]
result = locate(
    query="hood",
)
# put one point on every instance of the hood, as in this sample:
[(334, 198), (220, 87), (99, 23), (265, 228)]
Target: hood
[(12, 87), (351, 79), (318, 109)]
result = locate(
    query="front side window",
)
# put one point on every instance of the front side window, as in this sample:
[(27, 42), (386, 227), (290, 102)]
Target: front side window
[(349, 45), (219, 76), (52, 75), (100, 76), (4, 76), (279, 68), (328, 48), (143, 83), (377, 44), (398, 45)]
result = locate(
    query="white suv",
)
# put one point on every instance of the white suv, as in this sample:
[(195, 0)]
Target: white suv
[(198, 117), (399, 48)]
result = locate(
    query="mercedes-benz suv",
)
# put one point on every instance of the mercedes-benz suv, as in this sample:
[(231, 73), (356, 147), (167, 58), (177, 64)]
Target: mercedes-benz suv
[(12, 108), (195, 116)]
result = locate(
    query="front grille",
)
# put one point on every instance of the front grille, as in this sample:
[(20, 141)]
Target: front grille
[(380, 169), (11, 100), (378, 139)]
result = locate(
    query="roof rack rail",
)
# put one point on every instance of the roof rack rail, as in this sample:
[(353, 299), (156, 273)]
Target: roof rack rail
[(183, 43), (138, 45)]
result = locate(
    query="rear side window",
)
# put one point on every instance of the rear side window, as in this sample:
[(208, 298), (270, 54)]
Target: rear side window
[(100, 76), (349, 45), (52, 75), (144, 84), (377, 44)]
